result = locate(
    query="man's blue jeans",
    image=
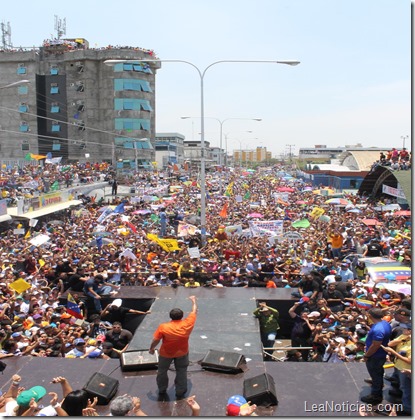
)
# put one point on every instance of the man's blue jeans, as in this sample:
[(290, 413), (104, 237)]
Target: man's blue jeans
[(374, 366), (405, 386), (180, 382), (104, 290)]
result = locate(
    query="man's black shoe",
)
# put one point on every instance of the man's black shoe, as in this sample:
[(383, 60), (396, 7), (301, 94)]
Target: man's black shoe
[(368, 381), (371, 399), (395, 393), (163, 396)]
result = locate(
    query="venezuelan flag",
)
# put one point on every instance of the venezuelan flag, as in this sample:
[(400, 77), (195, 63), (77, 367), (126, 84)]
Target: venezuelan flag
[(73, 308), (364, 304)]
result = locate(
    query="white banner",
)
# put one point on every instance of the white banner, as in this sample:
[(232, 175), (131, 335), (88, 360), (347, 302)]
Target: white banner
[(394, 192), (266, 227), (39, 239), (234, 230), (194, 252)]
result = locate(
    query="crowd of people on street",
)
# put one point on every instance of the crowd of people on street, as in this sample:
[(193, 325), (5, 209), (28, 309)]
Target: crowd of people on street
[(156, 240)]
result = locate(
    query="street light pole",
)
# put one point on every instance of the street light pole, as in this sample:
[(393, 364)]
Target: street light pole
[(403, 141), (221, 122), (202, 117)]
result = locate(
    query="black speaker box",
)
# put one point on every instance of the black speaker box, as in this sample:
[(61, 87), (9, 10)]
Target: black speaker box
[(102, 386), (138, 360), (222, 361), (260, 390)]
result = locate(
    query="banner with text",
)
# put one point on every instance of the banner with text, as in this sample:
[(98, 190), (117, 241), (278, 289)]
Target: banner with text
[(266, 227)]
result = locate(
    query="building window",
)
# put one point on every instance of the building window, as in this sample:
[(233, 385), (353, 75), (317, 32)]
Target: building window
[(132, 104), (21, 69), (56, 145), (54, 89), (54, 71), (22, 90), (25, 146), (56, 126), (132, 84), (80, 86), (23, 108), (141, 67), (132, 124), (54, 108), (128, 143), (24, 128)]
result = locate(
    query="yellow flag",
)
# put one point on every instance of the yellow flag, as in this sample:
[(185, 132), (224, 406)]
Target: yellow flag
[(27, 234), (41, 262), (20, 285), (317, 212)]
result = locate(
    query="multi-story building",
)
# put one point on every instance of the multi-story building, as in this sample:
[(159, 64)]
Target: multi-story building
[(260, 154), (76, 106), (169, 149)]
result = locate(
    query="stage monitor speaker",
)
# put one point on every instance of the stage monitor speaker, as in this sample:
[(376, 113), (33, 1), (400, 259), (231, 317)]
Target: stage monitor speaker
[(260, 390), (222, 361), (102, 386), (138, 360)]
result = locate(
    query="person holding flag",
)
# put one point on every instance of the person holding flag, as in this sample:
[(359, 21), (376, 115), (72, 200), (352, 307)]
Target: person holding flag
[(75, 306)]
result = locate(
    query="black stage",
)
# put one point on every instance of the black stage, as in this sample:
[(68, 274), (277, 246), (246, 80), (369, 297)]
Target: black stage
[(224, 323)]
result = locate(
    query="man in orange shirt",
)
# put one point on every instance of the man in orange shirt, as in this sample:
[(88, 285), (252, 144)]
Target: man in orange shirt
[(174, 347), (336, 243)]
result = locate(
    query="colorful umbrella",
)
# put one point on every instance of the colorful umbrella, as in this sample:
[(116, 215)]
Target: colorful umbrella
[(402, 213), (144, 211), (371, 222), (285, 189), (338, 201), (255, 215)]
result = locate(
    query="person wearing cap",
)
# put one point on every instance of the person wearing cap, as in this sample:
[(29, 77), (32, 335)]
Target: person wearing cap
[(335, 351), (238, 406), (269, 325), (400, 349), (26, 402), (345, 273), (375, 355), (115, 312), (109, 352), (302, 329), (80, 349), (174, 336)]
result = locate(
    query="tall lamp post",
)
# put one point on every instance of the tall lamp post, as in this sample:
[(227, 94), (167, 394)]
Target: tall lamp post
[(221, 138), (202, 117), (403, 141)]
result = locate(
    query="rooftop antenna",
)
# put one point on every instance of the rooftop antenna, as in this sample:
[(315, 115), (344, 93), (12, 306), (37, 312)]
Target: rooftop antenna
[(60, 26), (6, 34)]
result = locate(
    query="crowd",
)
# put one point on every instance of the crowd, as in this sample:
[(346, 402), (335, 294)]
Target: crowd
[(155, 241), (395, 159)]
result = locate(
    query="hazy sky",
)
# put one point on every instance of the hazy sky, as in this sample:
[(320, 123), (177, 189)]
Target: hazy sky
[(353, 84)]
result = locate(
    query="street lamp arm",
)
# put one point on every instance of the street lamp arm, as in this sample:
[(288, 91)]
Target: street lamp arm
[(288, 62), (20, 82)]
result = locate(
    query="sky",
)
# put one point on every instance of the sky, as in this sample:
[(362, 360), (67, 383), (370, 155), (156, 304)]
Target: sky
[(353, 84)]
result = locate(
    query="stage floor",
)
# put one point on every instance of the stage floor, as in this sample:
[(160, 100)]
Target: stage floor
[(224, 323)]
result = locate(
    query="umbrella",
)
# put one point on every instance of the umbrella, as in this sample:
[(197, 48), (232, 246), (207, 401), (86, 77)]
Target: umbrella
[(285, 189), (402, 213), (354, 211), (105, 208), (255, 215), (371, 222), (144, 211), (301, 202), (303, 223), (338, 201), (103, 233), (105, 241), (396, 287), (56, 222), (324, 191)]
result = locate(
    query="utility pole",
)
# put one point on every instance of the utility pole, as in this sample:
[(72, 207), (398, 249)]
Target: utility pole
[(290, 153)]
